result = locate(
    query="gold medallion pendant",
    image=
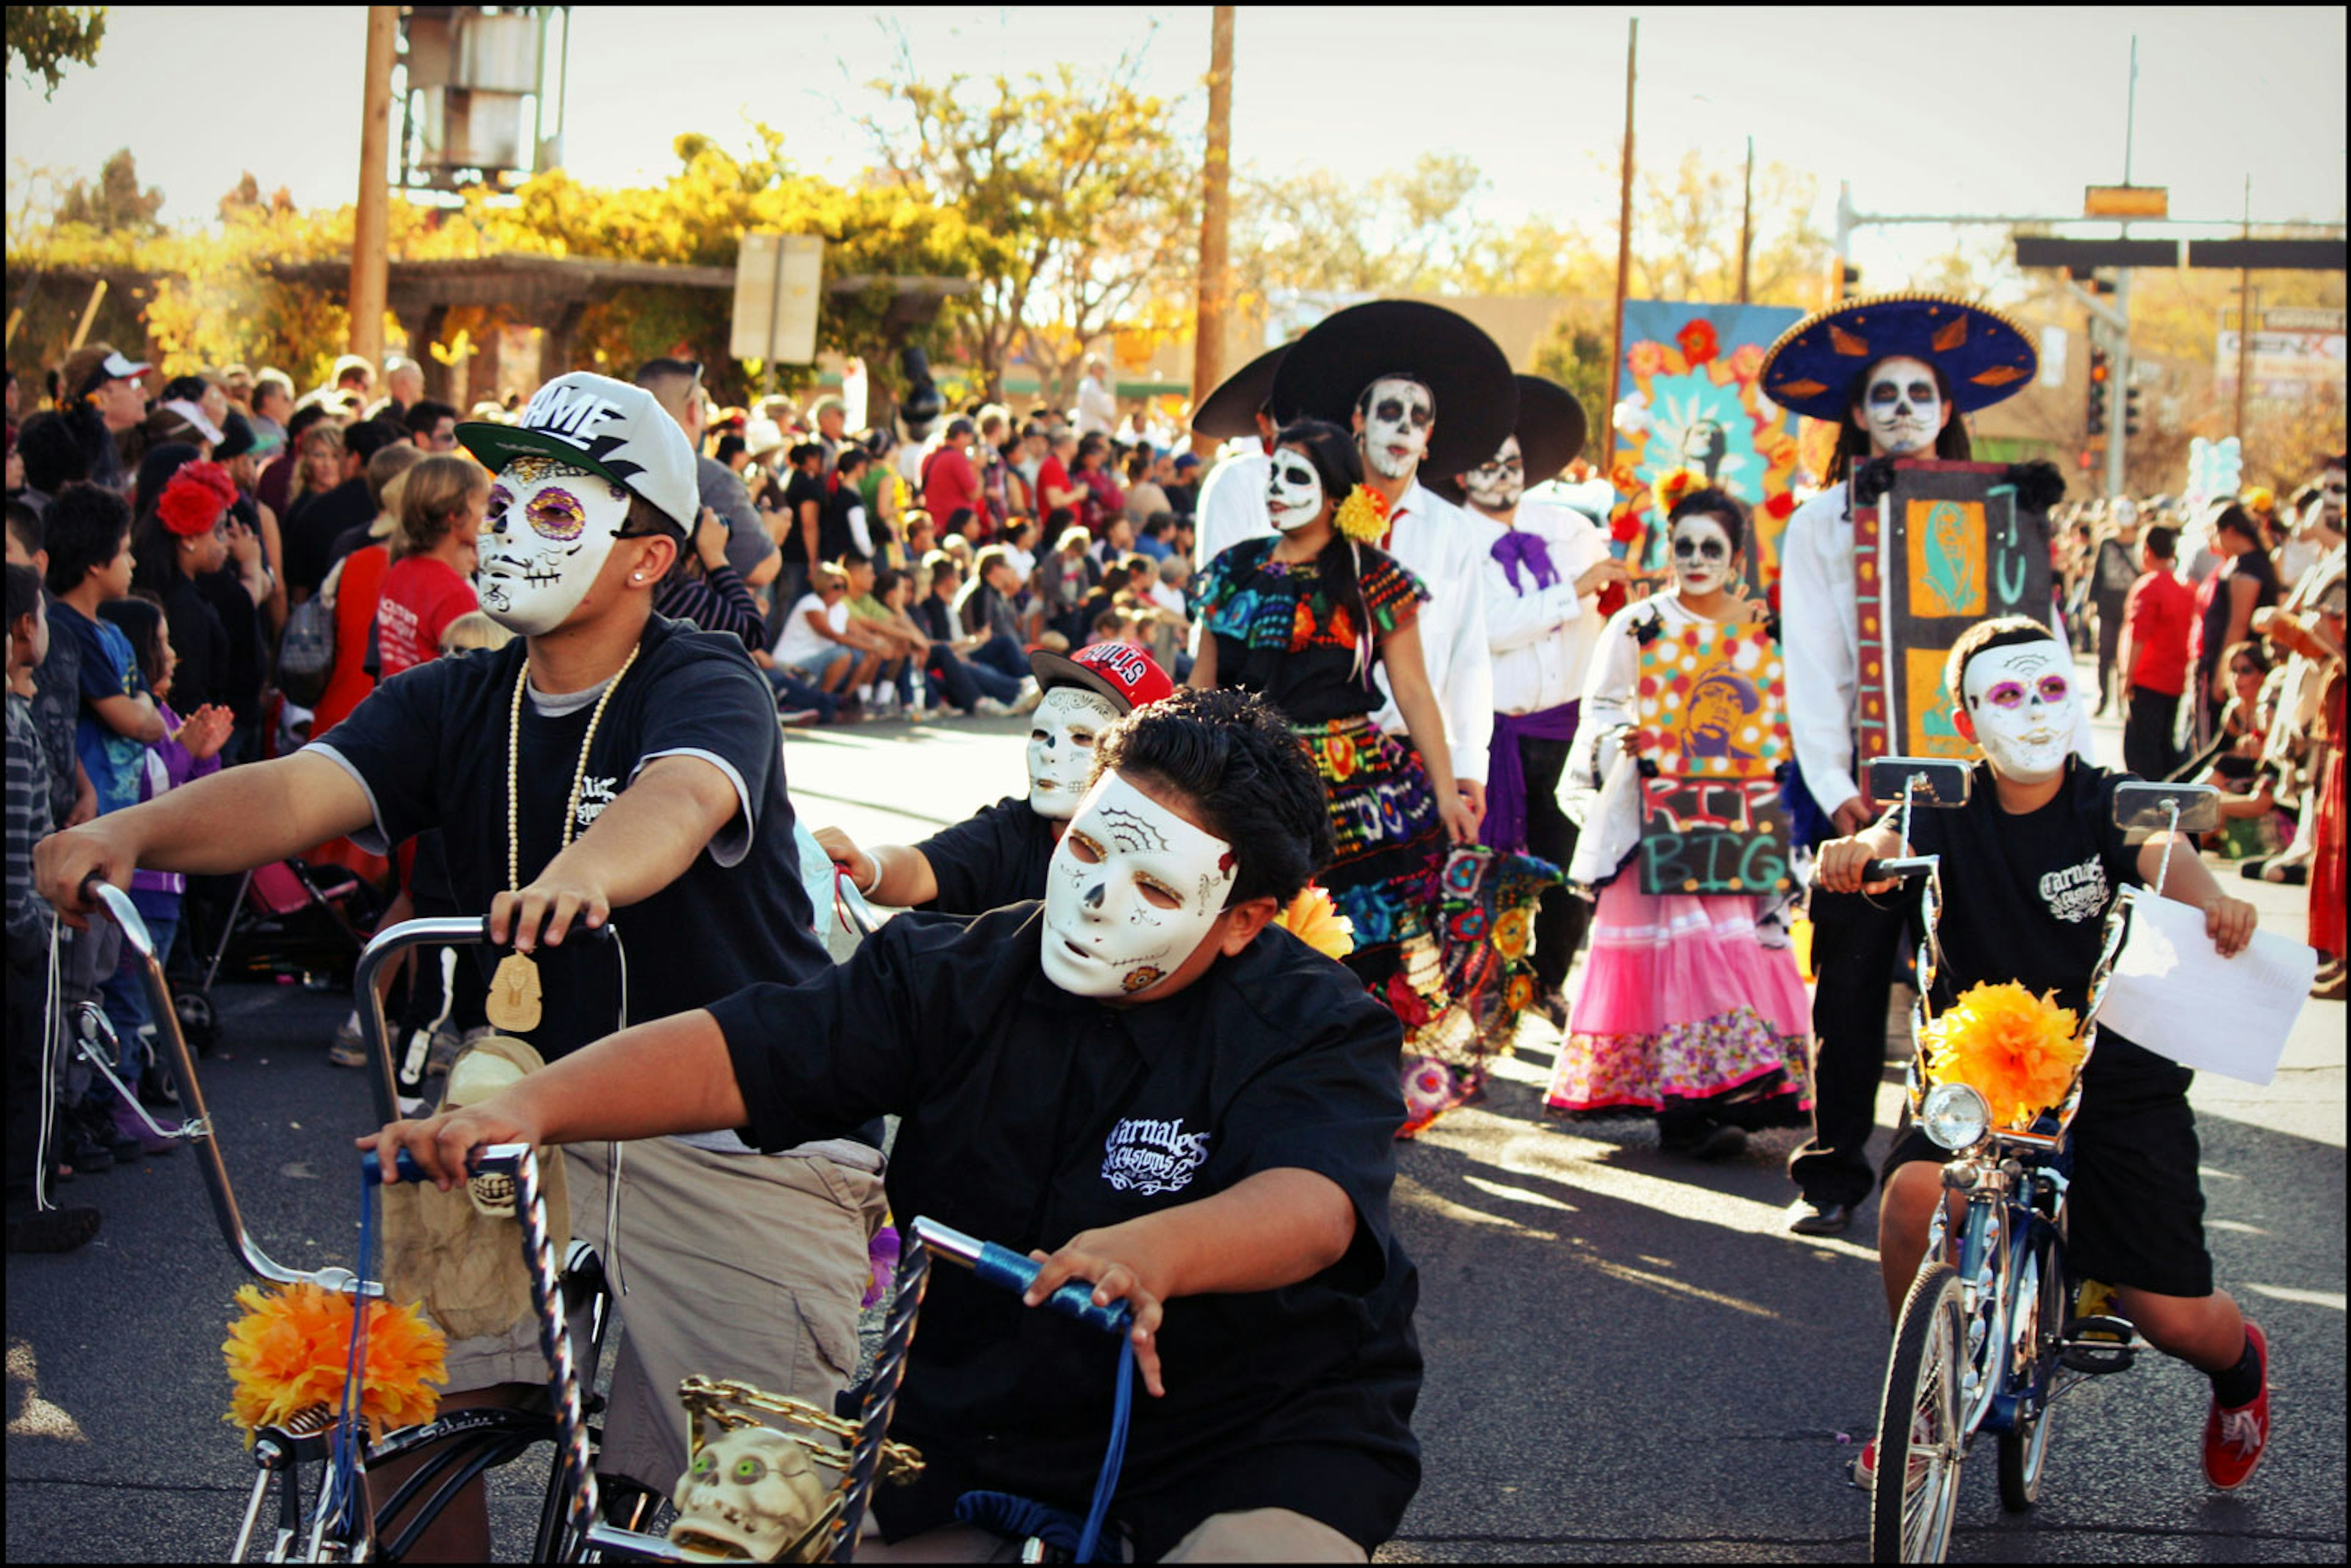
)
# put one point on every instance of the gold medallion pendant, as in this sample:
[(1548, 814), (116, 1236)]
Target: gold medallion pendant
[(514, 998)]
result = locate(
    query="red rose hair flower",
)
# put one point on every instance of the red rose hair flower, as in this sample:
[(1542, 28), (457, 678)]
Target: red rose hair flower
[(192, 504)]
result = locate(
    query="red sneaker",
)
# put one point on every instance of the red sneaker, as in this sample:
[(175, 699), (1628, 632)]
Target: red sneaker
[(2235, 1437)]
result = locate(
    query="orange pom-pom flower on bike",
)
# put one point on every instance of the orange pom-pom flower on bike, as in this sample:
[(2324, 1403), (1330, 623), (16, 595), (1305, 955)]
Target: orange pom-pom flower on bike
[(2018, 1051)]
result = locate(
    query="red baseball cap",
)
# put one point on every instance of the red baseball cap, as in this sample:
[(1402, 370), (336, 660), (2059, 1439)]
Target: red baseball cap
[(1120, 671)]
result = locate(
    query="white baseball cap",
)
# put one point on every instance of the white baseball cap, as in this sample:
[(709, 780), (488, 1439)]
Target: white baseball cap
[(607, 427)]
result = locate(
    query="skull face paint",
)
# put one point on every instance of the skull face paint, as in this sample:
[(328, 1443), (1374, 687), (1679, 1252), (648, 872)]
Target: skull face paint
[(1061, 748), (549, 528), (1900, 407), (2021, 699), (1293, 492), (1398, 415), (1702, 552), (1496, 486), (1132, 890)]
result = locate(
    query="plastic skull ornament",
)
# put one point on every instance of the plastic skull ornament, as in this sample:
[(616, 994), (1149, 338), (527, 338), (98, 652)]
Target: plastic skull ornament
[(477, 1075), (1061, 735), (544, 538), (749, 1492), (1398, 415)]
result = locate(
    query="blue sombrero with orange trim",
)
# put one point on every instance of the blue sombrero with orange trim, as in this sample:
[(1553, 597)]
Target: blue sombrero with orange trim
[(1983, 354)]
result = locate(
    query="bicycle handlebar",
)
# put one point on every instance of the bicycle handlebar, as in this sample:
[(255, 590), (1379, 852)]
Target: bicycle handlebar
[(1900, 870), (1009, 1271)]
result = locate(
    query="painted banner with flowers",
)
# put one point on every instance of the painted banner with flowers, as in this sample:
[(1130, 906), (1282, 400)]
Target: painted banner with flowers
[(1690, 400), (1711, 729)]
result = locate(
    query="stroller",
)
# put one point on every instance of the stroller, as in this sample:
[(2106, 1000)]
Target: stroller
[(288, 918)]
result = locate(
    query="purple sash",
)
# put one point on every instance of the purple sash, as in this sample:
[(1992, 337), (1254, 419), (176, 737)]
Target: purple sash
[(1505, 827)]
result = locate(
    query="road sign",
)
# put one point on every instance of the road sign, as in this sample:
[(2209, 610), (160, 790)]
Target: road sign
[(2266, 255), (777, 278), (2040, 250), (2126, 201)]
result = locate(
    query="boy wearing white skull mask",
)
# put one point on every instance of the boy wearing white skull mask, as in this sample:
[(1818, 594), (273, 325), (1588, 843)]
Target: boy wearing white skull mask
[(1894, 373), (997, 856), (1194, 1111), (2031, 865), (607, 766)]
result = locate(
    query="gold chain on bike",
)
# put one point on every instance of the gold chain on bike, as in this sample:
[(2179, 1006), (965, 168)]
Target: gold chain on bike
[(707, 1398)]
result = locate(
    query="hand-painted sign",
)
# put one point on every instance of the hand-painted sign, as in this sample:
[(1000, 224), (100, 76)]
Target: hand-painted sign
[(1708, 835), (1946, 547), (1710, 715)]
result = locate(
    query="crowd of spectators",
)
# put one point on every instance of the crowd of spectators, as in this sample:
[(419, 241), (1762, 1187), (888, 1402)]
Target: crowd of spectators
[(2218, 633), (213, 568)]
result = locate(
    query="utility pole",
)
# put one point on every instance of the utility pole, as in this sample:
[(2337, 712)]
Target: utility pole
[(1215, 204), (2118, 389), (372, 223), (1623, 225), (1747, 221), (2244, 323)]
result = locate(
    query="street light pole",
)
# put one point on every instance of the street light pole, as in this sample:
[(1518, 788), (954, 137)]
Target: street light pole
[(1216, 208), (2118, 389), (370, 260), (1747, 221)]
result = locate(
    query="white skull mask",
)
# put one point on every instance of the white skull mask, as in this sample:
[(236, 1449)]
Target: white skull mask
[(549, 528), (1061, 735), (751, 1492), (1496, 486), (2022, 701), (1133, 888), (1398, 415), (1702, 552), (1900, 407), (1293, 494)]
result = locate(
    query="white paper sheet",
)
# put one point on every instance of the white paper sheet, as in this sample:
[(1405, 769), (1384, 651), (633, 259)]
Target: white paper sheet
[(2173, 993)]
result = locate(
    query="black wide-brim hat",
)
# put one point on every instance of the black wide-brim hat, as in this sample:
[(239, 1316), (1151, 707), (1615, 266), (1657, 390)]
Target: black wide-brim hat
[(1984, 355), (1230, 411), (1550, 433), (1464, 370)]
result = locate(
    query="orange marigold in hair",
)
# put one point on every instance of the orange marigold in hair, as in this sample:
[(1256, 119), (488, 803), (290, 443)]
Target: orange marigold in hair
[(290, 1350), (1314, 920), (2018, 1051)]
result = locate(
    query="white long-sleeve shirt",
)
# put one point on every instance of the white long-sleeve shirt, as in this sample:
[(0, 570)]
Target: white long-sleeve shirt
[(1097, 407), (1232, 507), (1820, 631), (1601, 788), (1541, 638), (1439, 544)]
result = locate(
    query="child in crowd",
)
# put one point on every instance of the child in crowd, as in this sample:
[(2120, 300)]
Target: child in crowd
[(1683, 1010), (2031, 865), (31, 1229), (190, 750)]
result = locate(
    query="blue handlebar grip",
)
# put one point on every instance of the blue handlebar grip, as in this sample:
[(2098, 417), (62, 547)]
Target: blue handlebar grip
[(1008, 1269), (404, 1168)]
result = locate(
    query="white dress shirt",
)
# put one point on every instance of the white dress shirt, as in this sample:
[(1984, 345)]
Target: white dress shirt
[(1232, 507), (1820, 642), (1541, 638), (1097, 407), (1440, 544)]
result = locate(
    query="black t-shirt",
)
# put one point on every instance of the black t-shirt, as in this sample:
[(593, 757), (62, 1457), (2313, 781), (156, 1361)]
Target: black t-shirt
[(798, 488), (201, 642), (2255, 564), (989, 859), (315, 522), (936, 617), (248, 645), (834, 539), (430, 744), (1028, 1116), (2025, 899)]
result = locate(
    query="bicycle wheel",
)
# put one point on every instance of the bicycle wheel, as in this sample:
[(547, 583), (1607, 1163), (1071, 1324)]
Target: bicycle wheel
[(2040, 1316), (1919, 1437)]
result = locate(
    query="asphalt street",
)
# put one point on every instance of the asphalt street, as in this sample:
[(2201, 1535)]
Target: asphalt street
[(1627, 1357)]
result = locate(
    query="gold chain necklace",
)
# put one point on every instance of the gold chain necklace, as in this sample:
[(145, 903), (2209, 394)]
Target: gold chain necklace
[(513, 1000)]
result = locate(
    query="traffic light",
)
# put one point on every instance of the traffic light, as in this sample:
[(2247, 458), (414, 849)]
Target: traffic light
[(2102, 373), (1852, 279), (2130, 412)]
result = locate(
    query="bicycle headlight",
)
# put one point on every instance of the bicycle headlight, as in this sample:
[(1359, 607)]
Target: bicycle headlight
[(1955, 1116)]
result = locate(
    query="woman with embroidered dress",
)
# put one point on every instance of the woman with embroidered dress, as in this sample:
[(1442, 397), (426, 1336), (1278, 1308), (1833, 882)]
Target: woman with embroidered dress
[(1683, 1010), (1302, 617)]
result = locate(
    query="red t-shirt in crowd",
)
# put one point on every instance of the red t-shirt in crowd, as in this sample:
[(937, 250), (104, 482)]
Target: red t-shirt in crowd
[(2157, 617), (949, 484), (422, 595), (1051, 477)]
